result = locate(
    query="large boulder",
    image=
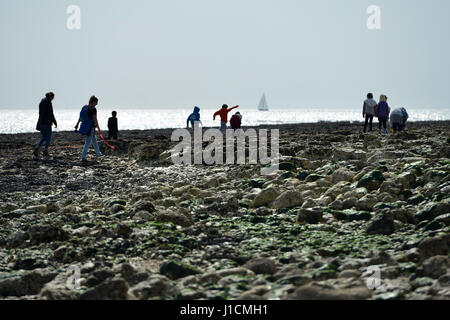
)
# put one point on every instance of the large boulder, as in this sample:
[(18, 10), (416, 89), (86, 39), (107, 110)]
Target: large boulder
[(265, 197), (27, 284), (288, 199), (176, 269), (110, 289), (309, 215), (40, 233), (381, 223), (366, 203), (434, 246), (433, 210), (261, 266), (372, 180), (342, 174), (155, 286)]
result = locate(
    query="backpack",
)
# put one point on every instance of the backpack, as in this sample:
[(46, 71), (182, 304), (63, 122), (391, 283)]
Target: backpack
[(86, 122)]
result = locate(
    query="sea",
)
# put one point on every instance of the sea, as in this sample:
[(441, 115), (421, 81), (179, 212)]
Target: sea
[(24, 120)]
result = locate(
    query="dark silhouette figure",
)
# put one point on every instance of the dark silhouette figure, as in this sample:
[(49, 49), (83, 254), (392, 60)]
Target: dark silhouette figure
[(44, 124), (236, 121), (112, 126)]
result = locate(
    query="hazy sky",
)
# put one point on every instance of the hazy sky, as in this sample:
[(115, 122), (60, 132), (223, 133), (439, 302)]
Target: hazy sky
[(181, 53)]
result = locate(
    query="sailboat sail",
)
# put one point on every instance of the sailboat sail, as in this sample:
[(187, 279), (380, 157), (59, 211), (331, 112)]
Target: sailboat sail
[(263, 106)]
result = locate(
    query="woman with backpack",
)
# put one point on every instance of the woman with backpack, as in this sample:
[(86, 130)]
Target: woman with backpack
[(88, 119), (382, 111)]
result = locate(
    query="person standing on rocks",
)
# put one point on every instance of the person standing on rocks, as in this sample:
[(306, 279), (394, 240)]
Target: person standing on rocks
[(112, 126), (236, 121), (369, 111), (93, 123), (383, 111), (223, 113), (193, 117), (44, 124)]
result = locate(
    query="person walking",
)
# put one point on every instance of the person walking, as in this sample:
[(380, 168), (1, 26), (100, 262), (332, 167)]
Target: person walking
[(223, 113), (369, 111), (383, 111), (88, 117), (44, 124)]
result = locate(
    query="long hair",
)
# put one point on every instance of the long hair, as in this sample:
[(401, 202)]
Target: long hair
[(383, 98)]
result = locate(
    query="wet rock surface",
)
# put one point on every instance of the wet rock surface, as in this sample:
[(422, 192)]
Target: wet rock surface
[(347, 216)]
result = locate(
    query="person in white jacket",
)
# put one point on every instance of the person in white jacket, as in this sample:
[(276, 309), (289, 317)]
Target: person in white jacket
[(369, 111)]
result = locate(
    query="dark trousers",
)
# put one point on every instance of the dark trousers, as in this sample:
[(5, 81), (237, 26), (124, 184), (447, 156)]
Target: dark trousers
[(369, 119), (46, 132), (112, 135), (382, 122), (396, 126)]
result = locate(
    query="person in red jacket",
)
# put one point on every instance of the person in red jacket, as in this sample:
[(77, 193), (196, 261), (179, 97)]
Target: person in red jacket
[(223, 113)]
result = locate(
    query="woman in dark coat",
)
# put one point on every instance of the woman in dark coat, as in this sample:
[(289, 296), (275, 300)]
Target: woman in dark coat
[(44, 124)]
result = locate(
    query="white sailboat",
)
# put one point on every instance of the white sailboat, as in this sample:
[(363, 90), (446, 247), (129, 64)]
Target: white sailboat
[(263, 106)]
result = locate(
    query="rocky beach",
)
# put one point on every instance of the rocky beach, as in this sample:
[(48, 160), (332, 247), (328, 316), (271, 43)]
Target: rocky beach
[(348, 216)]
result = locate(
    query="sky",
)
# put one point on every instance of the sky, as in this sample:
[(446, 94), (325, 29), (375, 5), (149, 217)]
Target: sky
[(181, 53)]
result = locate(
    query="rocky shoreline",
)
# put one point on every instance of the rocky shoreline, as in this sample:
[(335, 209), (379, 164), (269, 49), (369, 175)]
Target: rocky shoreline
[(348, 216)]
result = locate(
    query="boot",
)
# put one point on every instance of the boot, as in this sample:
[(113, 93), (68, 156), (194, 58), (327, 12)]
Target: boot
[(36, 152), (45, 154)]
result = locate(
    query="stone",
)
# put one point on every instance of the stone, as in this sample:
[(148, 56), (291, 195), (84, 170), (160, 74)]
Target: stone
[(349, 274), (57, 289), (315, 291), (349, 203), (143, 205), (435, 267), (174, 217), (444, 219), (288, 199), (434, 246), (309, 216), (288, 166), (371, 181), (433, 210), (41, 208), (407, 180), (342, 174), (265, 197), (176, 270), (381, 223), (155, 286), (337, 205), (30, 283), (111, 289), (366, 203), (255, 293), (47, 233), (17, 239), (144, 216), (261, 266), (416, 199)]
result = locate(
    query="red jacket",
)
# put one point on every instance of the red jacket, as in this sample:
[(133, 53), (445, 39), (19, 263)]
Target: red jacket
[(223, 113)]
